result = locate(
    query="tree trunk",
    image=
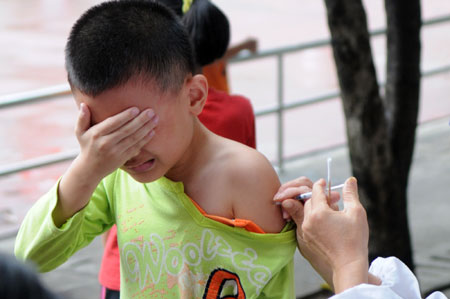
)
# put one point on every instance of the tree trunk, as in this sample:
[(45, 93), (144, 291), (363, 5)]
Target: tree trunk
[(380, 130)]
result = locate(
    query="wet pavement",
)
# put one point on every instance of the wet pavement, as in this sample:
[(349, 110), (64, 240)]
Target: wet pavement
[(33, 34)]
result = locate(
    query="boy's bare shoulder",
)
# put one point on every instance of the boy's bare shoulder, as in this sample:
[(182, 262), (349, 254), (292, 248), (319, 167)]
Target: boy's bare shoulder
[(250, 183)]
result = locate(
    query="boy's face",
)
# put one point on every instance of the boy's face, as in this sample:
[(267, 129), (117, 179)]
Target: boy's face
[(173, 133)]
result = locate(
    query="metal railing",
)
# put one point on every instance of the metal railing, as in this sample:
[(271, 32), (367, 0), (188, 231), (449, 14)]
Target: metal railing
[(278, 109)]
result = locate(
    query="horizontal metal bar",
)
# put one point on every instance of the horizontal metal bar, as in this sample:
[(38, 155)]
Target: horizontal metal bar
[(336, 94), (38, 162), (320, 43), (34, 95), (299, 103), (277, 51), (436, 71), (63, 89), (60, 157), (436, 20), (70, 155), (291, 49)]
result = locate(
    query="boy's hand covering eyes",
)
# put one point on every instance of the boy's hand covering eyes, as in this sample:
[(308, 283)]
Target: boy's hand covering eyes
[(107, 145)]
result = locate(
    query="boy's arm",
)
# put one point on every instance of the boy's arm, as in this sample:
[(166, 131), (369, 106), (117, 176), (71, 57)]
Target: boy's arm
[(58, 224), (48, 246), (105, 147), (255, 182)]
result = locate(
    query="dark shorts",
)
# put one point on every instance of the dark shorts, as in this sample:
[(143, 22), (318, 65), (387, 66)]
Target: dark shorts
[(110, 294)]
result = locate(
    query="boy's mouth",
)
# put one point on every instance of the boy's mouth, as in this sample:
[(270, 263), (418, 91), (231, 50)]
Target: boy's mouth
[(142, 167)]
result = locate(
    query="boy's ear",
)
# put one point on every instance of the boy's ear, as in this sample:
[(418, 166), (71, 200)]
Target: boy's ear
[(198, 92)]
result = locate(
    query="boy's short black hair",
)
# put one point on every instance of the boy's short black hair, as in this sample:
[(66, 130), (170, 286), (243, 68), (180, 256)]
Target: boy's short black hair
[(118, 40)]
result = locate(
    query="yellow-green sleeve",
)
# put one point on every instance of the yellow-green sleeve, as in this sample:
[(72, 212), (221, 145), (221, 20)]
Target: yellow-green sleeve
[(48, 246)]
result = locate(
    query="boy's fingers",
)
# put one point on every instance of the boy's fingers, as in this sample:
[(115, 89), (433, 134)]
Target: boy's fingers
[(350, 195), (83, 120), (136, 139), (114, 122), (136, 128), (295, 210), (134, 150)]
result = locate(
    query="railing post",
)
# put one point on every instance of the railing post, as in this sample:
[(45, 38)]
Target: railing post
[(280, 113)]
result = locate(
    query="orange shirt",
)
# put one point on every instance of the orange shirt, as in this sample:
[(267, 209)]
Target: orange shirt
[(216, 74)]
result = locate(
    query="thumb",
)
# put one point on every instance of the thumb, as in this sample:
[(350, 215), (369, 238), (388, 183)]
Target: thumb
[(83, 121), (295, 209), (350, 195)]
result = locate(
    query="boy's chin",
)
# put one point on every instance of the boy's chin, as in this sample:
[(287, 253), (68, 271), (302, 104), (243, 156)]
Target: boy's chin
[(144, 177)]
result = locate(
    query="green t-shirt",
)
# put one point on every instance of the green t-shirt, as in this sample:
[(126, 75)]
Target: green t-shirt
[(168, 249)]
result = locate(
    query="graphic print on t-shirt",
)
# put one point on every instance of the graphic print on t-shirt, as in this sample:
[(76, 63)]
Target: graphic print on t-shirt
[(160, 265)]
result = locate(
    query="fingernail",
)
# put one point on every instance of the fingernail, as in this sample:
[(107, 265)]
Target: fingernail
[(277, 196), (352, 181), (156, 119), (134, 111), (285, 215), (151, 134)]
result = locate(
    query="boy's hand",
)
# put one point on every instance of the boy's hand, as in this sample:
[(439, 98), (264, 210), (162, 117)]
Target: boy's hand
[(107, 145)]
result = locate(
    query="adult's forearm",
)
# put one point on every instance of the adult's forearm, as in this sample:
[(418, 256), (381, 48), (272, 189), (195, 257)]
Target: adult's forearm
[(350, 275)]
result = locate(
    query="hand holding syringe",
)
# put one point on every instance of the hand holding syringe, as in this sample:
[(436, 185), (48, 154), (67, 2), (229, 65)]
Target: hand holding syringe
[(307, 195), (287, 190)]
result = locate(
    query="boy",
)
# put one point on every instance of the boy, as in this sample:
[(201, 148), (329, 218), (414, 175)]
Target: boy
[(229, 116), (183, 198)]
